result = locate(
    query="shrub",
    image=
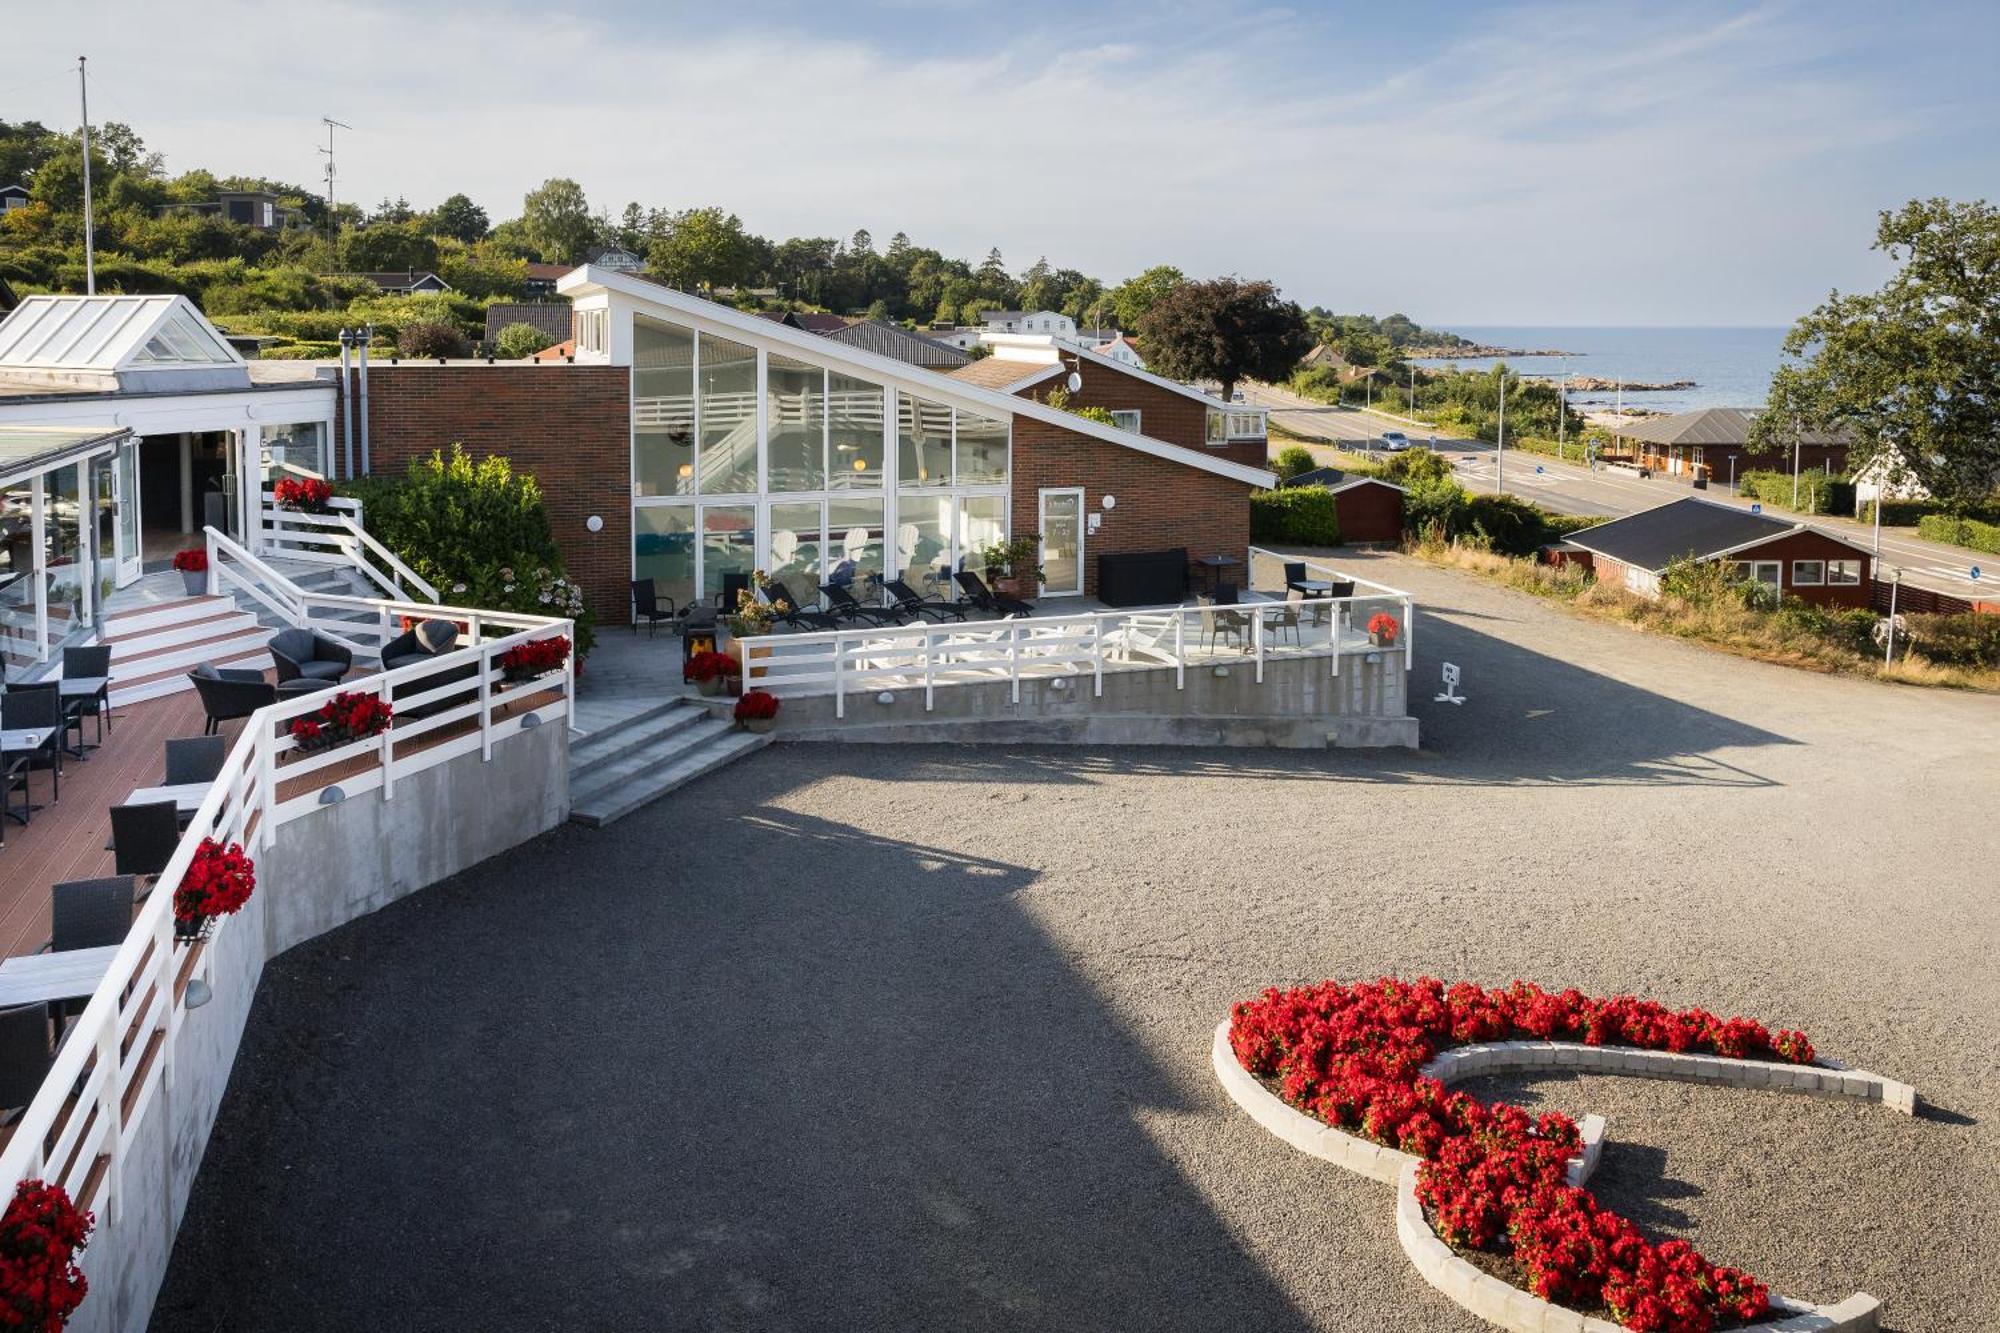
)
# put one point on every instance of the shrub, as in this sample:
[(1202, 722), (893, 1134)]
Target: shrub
[(1504, 523), (1414, 465), (1972, 639), (1304, 515), (427, 340), (1291, 461), (1433, 509), (517, 341), (1710, 583), (1818, 493), (1959, 531)]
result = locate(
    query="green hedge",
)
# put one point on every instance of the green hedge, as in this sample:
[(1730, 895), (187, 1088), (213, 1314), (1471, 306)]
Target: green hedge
[(1972, 639), (1958, 531), (1303, 515), (1818, 493)]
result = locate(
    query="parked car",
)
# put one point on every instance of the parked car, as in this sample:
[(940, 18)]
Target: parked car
[(1395, 441)]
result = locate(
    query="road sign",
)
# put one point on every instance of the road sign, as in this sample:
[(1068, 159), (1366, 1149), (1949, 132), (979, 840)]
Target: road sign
[(1975, 573), (1450, 695), (1756, 509), (1539, 469)]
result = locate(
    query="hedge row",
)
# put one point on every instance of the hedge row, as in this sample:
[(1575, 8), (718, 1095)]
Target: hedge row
[(1817, 492), (1972, 639), (1305, 515), (1958, 531)]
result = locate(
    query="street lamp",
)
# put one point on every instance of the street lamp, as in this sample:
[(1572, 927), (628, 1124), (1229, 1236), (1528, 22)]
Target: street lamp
[(1500, 440)]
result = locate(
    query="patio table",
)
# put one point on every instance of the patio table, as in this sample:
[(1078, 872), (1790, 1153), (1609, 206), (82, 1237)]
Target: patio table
[(82, 687), (42, 978), (26, 740), (1314, 588), (186, 796), (1214, 565)]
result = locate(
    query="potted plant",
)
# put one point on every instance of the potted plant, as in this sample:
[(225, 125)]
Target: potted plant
[(757, 710), (709, 671), (1383, 629), (41, 1235), (537, 657), (193, 565), (218, 881), (1010, 565), (348, 716), (753, 617), (303, 495)]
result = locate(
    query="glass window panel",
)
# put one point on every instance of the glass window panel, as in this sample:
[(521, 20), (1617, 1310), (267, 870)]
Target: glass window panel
[(17, 574), (728, 406), (795, 417), (663, 549), (796, 542), (982, 450), (923, 542), (728, 545), (662, 409), (982, 520), (923, 436), (854, 545), (854, 422), (64, 530)]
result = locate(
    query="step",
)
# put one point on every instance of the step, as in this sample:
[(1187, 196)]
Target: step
[(592, 715), (167, 638), (602, 749), (174, 680), (163, 613), (642, 778), (189, 647)]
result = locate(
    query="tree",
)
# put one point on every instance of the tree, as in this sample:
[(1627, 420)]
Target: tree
[(428, 339), (556, 218), (1912, 371), (520, 340), (387, 247), (1226, 330), (396, 210), (706, 247), (1133, 297), (459, 218)]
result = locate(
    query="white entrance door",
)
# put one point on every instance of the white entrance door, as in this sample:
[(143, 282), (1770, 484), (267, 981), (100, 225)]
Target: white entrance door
[(1062, 542), (127, 547)]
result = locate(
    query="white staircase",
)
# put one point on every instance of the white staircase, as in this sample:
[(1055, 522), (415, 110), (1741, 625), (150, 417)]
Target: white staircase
[(629, 759), (153, 646)]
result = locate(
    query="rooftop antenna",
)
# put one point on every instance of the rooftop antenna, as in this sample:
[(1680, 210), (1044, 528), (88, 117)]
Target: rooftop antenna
[(327, 152), (89, 247)]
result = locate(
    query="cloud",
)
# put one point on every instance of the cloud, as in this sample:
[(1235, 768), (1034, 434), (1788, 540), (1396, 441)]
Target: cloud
[(1558, 162)]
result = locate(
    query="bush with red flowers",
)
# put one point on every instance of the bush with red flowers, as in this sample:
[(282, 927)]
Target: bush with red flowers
[(712, 666), (757, 706), (348, 716), (194, 560), (1492, 1178), (1384, 626), (219, 880), (41, 1235), (306, 494), (535, 657)]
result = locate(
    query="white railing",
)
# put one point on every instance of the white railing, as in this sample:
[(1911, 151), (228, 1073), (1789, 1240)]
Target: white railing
[(363, 623), (1335, 574), (338, 538), (927, 657), (80, 1126)]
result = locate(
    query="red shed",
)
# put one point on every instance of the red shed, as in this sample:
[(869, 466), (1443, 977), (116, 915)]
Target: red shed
[(1370, 509)]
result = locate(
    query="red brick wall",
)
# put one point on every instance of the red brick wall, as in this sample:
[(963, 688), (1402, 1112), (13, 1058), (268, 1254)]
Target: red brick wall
[(1370, 514), (1161, 504), (1163, 414), (567, 426)]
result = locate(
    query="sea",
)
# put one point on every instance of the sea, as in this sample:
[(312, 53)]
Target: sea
[(1731, 367)]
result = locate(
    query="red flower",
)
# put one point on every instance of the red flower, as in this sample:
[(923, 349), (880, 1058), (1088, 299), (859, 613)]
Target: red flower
[(218, 881), (712, 666), (757, 706), (1384, 624), (348, 716), (537, 656), (41, 1234), (302, 493), (194, 560)]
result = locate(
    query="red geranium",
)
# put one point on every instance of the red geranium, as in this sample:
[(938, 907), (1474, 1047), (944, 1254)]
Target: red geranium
[(1492, 1178), (41, 1234), (1384, 624), (712, 666), (536, 656), (757, 706), (307, 493), (194, 560), (219, 880), (348, 716)]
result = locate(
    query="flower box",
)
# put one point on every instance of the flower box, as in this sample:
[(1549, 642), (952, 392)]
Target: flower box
[(347, 717), (303, 495), (537, 657), (217, 882)]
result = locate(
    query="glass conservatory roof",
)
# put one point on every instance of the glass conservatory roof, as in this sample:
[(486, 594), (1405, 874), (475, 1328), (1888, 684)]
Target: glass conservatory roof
[(110, 333)]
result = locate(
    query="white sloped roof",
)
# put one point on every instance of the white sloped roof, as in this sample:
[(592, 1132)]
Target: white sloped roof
[(111, 333)]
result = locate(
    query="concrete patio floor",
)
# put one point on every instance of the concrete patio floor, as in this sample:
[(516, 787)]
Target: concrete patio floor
[(917, 1038)]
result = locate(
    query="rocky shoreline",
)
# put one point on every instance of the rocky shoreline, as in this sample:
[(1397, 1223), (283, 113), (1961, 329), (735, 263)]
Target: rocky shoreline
[(1476, 350), (1599, 384)]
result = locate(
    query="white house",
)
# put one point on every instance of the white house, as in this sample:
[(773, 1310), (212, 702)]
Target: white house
[(1051, 322), (1122, 350)]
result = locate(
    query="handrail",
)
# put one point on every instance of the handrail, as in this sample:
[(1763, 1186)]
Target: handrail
[(389, 557), (120, 1052), (1409, 630)]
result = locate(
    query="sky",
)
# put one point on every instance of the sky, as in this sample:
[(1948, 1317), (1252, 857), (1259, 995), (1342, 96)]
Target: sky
[(1582, 163)]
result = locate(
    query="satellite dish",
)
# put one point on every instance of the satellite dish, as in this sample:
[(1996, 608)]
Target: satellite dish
[(1075, 381)]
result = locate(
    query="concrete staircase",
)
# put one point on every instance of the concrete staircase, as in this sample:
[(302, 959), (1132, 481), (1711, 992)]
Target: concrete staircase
[(629, 759)]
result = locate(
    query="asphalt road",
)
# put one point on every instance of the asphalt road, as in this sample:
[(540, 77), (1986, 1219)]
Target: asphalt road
[(1572, 488), (916, 1037)]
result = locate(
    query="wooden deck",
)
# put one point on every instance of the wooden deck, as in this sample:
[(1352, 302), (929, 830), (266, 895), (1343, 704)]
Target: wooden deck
[(65, 840)]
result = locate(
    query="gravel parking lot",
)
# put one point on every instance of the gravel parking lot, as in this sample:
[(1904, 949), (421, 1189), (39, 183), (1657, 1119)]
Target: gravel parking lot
[(917, 1038)]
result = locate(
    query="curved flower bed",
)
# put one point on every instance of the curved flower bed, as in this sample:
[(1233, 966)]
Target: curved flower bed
[(1493, 1178)]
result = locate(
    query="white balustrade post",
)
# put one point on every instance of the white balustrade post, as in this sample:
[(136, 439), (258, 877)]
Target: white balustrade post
[(930, 674), (210, 583), (164, 963), (569, 674), (839, 677), (1180, 649), (1097, 658), (1257, 639), (485, 704), (1409, 634), (266, 783), (388, 741), (111, 1112), (1014, 657)]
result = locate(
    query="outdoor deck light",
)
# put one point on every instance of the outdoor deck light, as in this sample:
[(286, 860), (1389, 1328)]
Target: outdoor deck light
[(1109, 502), (332, 796), (1221, 671), (595, 523), (197, 994), (885, 697)]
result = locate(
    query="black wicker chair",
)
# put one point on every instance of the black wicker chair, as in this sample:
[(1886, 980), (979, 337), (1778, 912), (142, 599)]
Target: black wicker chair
[(70, 711), (25, 1056), (649, 606), (984, 598), (228, 693), (28, 706), (90, 913), (193, 759), (144, 836), (303, 655), (85, 663), (13, 778), (910, 603)]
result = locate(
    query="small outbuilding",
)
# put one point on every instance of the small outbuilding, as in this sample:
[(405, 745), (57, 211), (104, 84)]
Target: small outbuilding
[(1793, 557), (1370, 509)]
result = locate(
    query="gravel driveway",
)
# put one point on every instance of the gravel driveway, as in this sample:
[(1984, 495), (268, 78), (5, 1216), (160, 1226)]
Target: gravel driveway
[(917, 1038)]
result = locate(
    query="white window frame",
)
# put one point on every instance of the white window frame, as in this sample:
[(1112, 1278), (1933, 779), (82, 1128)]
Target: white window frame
[(1752, 571), (1799, 579), (1843, 573), (1118, 419)]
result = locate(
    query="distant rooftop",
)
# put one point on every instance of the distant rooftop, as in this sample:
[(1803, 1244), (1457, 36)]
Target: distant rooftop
[(1710, 426)]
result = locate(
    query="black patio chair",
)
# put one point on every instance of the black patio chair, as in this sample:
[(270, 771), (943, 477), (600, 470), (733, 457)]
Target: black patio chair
[(90, 913), (25, 706), (844, 605), (1286, 617), (228, 693), (193, 759), (984, 598), (25, 1057), (301, 654), (432, 638), (732, 584), (144, 836), (85, 663), (791, 613), (649, 606), (69, 710), (13, 778), (907, 601), (1295, 574)]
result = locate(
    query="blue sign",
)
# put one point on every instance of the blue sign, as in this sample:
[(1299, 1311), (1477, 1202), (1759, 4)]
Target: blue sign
[(1975, 572), (1540, 469), (1756, 509)]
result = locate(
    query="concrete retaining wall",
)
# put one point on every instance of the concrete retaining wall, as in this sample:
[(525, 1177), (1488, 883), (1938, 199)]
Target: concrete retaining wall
[(1297, 705), (322, 870)]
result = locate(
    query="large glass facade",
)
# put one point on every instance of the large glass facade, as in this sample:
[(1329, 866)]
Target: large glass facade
[(68, 568), (747, 457), (18, 584)]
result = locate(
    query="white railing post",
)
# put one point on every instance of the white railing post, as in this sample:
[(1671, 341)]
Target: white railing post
[(1257, 639), (930, 675), (839, 677), (1014, 657), (1180, 648), (266, 783), (1097, 657), (211, 585), (111, 1111), (485, 703), (569, 676), (388, 741), (1409, 635)]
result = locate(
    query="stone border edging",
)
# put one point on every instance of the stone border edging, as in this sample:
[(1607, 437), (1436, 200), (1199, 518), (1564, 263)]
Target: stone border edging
[(1501, 1302)]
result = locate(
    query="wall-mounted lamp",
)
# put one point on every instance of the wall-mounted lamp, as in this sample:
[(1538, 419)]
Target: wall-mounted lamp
[(595, 523), (1109, 502), (197, 994)]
